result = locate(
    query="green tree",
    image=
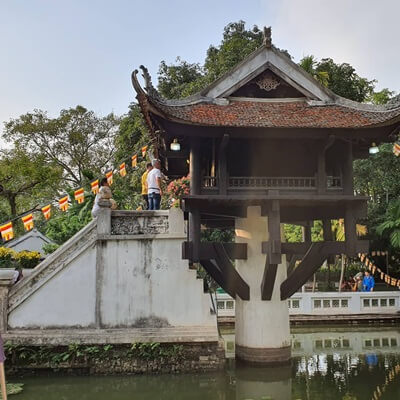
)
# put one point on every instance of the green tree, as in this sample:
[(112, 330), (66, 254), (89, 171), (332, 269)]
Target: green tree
[(26, 179), (391, 226), (183, 78), (309, 64), (78, 141), (344, 81)]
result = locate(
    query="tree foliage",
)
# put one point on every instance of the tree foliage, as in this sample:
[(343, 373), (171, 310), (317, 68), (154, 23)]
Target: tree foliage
[(26, 179), (78, 141)]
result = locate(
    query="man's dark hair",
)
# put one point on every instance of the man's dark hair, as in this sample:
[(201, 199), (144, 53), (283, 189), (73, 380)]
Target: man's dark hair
[(103, 181), (149, 165)]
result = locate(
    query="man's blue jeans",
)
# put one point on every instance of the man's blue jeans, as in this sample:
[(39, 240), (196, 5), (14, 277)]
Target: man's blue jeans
[(154, 201)]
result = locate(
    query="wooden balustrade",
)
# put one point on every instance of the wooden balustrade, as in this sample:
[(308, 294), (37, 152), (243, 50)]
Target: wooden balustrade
[(263, 182)]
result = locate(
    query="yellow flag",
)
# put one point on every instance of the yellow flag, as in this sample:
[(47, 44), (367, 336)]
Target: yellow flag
[(122, 170), (7, 232), (46, 210), (95, 186), (63, 202), (79, 195), (134, 161), (109, 176), (28, 222), (144, 151)]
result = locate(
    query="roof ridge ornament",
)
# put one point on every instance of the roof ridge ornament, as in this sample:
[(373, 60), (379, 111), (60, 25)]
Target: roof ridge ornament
[(267, 40), (150, 89)]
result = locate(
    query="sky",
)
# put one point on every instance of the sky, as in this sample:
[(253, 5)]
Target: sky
[(57, 54)]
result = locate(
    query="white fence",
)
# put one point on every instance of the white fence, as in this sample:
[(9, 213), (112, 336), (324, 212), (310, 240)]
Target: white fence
[(323, 303)]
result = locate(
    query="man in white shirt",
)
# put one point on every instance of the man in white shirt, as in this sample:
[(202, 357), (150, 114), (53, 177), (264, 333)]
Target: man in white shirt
[(154, 186)]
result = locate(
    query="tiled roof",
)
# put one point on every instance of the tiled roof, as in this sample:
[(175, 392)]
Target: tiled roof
[(277, 114)]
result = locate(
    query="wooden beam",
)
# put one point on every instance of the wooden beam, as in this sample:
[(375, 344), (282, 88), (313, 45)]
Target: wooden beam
[(235, 251), (310, 263), (330, 248), (234, 281), (268, 280), (218, 277)]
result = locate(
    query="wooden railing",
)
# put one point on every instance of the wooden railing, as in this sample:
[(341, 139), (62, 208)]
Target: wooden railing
[(263, 182)]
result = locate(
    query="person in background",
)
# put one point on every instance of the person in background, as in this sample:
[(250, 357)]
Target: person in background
[(368, 282), (145, 194), (357, 285), (96, 208), (154, 186)]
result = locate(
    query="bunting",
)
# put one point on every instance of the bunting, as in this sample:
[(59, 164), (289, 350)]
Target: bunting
[(95, 186), (63, 202), (109, 176), (134, 161), (7, 231), (79, 195), (46, 210), (122, 170), (28, 222), (373, 268), (396, 148)]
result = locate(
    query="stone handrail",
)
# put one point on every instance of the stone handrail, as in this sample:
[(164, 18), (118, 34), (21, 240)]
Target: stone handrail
[(52, 264)]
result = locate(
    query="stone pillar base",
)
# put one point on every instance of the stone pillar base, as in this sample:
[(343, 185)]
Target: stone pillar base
[(267, 356)]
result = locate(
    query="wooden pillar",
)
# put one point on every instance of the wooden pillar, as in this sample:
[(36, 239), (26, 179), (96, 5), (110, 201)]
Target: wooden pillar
[(306, 230), (321, 171), (328, 237), (348, 169), (223, 177), (195, 188), (350, 231)]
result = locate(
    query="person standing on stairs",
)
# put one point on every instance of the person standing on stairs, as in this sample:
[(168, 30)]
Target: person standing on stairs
[(145, 189), (154, 186)]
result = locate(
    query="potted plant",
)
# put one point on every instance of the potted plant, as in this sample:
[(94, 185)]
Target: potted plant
[(27, 260), (7, 263)]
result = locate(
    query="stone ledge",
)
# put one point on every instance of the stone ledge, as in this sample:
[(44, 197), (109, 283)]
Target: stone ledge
[(192, 334)]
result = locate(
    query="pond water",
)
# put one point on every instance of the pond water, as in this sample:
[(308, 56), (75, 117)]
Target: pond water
[(328, 364)]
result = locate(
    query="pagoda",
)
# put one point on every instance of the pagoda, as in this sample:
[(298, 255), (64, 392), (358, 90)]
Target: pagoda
[(267, 145)]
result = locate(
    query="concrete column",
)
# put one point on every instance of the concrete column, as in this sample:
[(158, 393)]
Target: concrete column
[(262, 327), (5, 284), (104, 217)]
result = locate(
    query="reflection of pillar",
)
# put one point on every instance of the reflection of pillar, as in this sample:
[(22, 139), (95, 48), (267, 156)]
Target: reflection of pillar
[(261, 327), (264, 383)]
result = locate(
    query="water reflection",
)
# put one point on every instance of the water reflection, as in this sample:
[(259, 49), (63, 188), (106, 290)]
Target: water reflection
[(334, 364)]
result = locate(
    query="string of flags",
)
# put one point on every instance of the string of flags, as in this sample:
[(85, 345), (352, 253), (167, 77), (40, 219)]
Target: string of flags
[(374, 269), (7, 229)]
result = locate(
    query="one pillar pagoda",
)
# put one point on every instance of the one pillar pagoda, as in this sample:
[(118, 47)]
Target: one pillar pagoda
[(267, 145)]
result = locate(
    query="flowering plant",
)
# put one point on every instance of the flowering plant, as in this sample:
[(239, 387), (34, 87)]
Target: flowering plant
[(177, 189)]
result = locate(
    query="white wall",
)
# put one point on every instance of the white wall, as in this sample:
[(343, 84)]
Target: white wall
[(115, 280), (67, 299)]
